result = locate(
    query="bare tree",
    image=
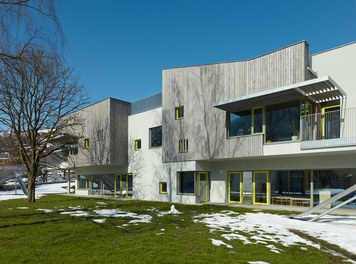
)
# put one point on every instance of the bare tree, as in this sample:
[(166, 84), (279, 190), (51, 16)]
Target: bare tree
[(26, 23), (38, 95)]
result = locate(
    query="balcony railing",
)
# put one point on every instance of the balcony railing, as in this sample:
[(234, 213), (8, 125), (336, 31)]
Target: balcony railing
[(329, 129)]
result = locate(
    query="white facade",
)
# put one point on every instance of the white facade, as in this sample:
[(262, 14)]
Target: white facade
[(284, 164)]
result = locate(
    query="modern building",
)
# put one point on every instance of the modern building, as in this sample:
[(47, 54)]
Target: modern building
[(279, 128)]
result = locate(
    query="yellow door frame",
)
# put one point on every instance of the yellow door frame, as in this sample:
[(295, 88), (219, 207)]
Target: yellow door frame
[(229, 186), (127, 184), (267, 188), (323, 118), (207, 186)]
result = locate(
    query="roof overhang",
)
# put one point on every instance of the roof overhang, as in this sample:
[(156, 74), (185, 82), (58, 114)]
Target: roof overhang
[(317, 90)]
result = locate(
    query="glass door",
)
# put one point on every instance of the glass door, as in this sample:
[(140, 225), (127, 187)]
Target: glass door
[(117, 185), (331, 122), (203, 187), (260, 190), (129, 185), (234, 188)]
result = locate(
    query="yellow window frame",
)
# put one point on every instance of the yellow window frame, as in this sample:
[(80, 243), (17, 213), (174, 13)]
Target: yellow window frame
[(253, 120), (177, 110), (268, 184), (161, 188), (229, 186), (86, 143), (138, 144)]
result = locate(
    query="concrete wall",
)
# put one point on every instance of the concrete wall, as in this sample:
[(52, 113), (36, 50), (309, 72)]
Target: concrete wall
[(197, 88), (340, 64), (146, 164)]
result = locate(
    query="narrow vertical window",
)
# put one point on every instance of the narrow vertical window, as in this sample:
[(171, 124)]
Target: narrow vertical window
[(179, 112), (163, 187), (137, 144), (86, 143), (183, 145)]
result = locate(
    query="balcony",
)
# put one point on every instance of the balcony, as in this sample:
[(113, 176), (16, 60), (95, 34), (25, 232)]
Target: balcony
[(328, 129)]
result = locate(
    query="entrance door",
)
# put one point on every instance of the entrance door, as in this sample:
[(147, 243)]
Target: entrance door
[(260, 190), (203, 187), (234, 188), (331, 122), (129, 185)]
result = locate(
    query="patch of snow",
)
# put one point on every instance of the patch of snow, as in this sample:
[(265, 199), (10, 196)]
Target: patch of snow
[(101, 203), (46, 210), (41, 190), (141, 219), (100, 220), (258, 262), (270, 228), (173, 211), (23, 207), (217, 242), (76, 213)]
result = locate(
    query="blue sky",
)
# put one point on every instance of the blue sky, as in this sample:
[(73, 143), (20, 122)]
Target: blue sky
[(119, 48)]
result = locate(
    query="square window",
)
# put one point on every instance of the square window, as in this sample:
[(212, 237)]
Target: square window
[(179, 112), (138, 144), (86, 143), (186, 181), (163, 187), (156, 137)]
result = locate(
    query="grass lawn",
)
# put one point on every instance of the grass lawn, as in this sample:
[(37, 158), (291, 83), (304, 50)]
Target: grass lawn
[(29, 235)]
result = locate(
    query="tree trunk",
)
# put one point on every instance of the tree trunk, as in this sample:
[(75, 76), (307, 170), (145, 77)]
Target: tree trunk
[(31, 185)]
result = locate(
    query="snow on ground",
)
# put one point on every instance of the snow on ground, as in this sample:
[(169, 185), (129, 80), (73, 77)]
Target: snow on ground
[(40, 191), (273, 230)]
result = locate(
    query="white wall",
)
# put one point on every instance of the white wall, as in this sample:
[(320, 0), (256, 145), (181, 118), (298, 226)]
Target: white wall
[(340, 65), (146, 164)]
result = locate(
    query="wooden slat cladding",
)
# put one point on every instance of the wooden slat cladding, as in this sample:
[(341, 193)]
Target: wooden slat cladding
[(197, 88), (106, 127)]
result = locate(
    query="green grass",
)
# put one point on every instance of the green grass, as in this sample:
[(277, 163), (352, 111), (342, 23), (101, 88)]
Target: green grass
[(32, 236)]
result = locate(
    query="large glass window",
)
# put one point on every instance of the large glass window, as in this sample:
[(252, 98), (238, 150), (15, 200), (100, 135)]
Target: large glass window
[(82, 182), (156, 137), (186, 181), (282, 122), (240, 123)]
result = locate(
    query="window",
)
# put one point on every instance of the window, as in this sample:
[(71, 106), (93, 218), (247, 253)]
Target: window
[(163, 187), (138, 144), (156, 137), (99, 135), (83, 182), (186, 181), (183, 145), (246, 122), (70, 149), (179, 113), (86, 143), (282, 121)]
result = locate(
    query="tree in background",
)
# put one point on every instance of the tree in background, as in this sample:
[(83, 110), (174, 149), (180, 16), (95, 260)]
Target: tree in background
[(38, 96)]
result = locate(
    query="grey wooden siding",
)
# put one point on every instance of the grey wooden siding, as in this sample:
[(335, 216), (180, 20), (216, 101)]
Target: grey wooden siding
[(198, 87), (105, 124)]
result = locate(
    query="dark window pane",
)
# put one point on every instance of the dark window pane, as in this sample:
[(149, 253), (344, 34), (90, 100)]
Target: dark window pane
[(282, 122), (186, 182), (240, 123), (156, 136)]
